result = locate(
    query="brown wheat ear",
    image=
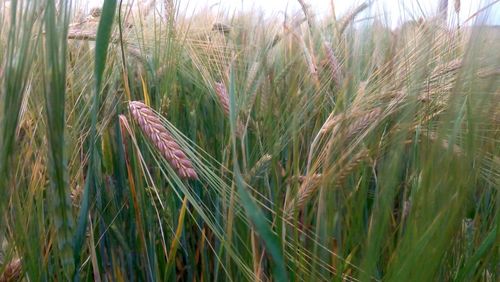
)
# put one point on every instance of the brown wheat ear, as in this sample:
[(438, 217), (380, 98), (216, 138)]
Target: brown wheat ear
[(12, 271), (221, 91), (151, 126), (333, 64)]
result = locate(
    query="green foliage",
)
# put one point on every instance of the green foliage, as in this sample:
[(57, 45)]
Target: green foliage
[(54, 83)]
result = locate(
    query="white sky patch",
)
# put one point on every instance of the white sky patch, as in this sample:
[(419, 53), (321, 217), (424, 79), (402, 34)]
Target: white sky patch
[(393, 12)]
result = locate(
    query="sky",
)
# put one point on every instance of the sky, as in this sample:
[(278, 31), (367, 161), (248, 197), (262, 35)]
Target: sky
[(395, 11)]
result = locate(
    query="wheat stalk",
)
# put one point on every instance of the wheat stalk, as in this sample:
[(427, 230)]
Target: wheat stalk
[(151, 126)]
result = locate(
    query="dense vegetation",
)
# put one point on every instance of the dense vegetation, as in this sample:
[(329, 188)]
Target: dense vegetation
[(292, 148)]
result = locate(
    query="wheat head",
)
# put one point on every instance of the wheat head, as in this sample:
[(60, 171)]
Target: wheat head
[(151, 126), (333, 64), (12, 271), (221, 91)]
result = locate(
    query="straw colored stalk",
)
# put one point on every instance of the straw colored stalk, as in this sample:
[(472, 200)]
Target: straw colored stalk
[(151, 126)]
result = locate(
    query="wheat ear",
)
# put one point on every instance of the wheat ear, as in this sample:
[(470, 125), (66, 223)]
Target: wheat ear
[(311, 183), (221, 91), (346, 20), (308, 186), (363, 122), (351, 166), (12, 271), (333, 64), (151, 126), (259, 169)]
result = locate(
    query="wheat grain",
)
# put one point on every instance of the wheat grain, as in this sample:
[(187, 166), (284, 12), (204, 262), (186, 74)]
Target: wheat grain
[(151, 126)]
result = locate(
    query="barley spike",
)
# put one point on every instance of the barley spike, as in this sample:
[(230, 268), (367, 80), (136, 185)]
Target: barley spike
[(151, 126), (221, 91)]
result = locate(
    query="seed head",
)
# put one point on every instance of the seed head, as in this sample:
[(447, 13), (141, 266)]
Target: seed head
[(151, 126)]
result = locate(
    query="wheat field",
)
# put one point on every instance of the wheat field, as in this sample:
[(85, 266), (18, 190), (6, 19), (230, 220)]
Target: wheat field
[(142, 143)]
